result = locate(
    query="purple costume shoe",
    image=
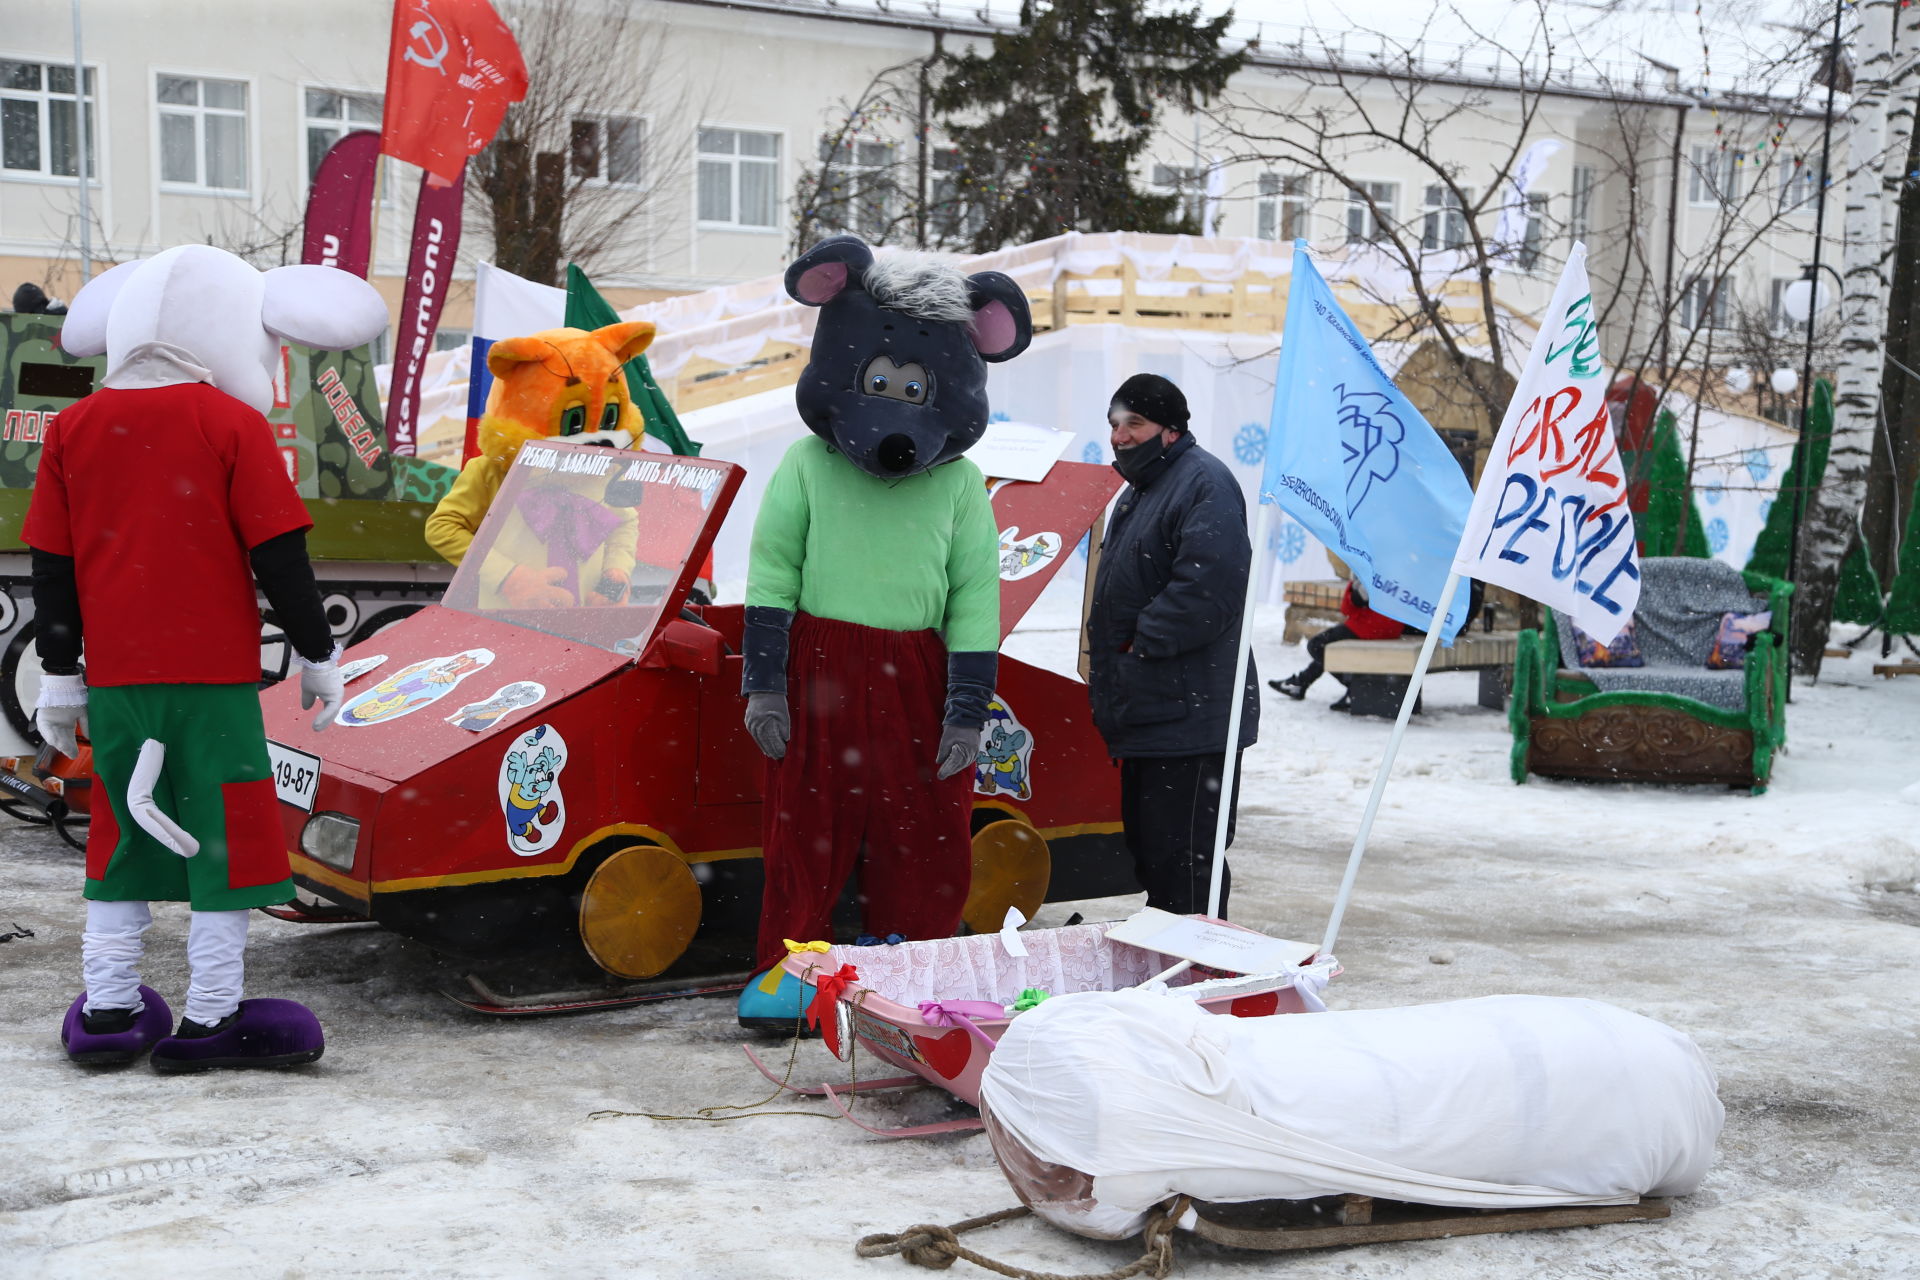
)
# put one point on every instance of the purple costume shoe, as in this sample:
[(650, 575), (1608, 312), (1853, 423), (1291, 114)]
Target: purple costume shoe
[(124, 1043), (261, 1033)]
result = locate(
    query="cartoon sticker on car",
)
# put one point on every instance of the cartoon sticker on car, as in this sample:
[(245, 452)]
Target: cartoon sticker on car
[(416, 685), (536, 812), (478, 717), (1023, 557), (1006, 754)]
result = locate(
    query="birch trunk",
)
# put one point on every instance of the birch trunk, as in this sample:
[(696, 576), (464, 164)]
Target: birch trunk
[(1833, 507)]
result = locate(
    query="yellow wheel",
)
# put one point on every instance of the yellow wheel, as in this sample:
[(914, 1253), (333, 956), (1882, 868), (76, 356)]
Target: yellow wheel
[(1011, 868), (638, 911)]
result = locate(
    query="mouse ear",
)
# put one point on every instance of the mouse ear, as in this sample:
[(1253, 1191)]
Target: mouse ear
[(825, 271), (1002, 324), (322, 307), (84, 332)]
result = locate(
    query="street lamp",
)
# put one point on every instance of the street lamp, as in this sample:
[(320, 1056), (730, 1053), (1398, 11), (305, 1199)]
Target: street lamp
[(1803, 297)]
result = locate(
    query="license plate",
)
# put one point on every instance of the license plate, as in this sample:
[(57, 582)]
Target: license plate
[(296, 776)]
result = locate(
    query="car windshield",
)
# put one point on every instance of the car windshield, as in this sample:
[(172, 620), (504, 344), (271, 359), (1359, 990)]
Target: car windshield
[(592, 544)]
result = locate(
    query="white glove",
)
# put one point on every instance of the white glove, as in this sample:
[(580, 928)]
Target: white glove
[(320, 682), (61, 709)]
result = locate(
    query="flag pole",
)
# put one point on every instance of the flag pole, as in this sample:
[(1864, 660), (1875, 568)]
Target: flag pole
[(1386, 761), (1229, 765)]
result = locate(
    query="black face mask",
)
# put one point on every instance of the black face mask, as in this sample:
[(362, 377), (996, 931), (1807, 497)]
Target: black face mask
[(1135, 461)]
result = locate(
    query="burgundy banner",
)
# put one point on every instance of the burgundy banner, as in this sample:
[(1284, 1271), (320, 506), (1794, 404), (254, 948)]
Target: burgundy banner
[(436, 238), (340, 205)]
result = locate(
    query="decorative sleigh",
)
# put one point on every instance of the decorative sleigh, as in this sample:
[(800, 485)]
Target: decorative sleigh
[(937, 1008)]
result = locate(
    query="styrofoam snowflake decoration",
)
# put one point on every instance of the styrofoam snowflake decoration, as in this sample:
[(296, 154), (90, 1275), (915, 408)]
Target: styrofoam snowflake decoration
[(1717, 535), (1250, 444), (1759, 465)]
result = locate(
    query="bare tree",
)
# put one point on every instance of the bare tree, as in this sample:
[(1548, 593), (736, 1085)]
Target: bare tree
[(865, 178), (576, 173)]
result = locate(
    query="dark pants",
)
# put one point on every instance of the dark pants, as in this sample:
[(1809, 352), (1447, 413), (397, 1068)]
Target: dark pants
[(856, 789), (1169, 806), (1317, 651)]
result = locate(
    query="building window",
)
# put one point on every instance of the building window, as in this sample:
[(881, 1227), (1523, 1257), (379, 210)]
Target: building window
[(1444, 225), (1533, 237), (951, 216), (1187, 185), (203, 133), (37, 134), (1370, 210), (1285, 201), (608, 150), (1715, 178), (1778, 321), (1580, 205), (1706, 303), (856, 186), (1799, 183), (739, 178), (328, 115)]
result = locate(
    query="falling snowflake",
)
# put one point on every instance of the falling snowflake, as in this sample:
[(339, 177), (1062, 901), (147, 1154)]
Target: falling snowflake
[(1713, 491), (1716, 535), (1250, 444), (1759, 465), (1090, 452), (1289, 542)]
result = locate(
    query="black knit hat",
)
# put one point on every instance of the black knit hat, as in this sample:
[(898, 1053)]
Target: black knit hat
[(1155, 399)]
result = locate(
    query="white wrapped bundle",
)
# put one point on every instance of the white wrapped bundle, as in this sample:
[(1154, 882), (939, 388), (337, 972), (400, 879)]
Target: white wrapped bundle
[(1509, 1101)]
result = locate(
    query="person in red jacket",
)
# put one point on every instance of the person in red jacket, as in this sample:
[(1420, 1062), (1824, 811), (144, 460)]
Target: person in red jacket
[(1361, 623)]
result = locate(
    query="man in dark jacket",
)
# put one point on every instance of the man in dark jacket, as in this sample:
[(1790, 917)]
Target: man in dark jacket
[(1162, 637)]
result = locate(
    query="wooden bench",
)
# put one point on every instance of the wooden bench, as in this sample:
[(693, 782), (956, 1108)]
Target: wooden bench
[(1377, 672), (1312, 607)]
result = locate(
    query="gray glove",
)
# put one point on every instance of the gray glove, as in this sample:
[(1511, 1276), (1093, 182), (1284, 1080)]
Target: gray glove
[(959, 748), (769, 723), (320, 682), (61, 709)]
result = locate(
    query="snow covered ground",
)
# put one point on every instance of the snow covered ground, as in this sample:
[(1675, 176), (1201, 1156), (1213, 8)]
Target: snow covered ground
[(1782, 932)]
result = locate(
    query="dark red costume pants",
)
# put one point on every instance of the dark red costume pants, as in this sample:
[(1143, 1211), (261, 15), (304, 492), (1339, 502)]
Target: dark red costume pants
[(856, 788)]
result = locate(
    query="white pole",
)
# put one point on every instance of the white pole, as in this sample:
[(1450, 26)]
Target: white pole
[(1229, 765), (80, 129), (1386, 762)]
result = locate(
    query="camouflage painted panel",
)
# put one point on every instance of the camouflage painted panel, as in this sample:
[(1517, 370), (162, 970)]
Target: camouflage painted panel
[(37, 380)]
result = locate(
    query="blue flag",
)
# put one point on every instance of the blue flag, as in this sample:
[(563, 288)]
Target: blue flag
[(1351, 459)]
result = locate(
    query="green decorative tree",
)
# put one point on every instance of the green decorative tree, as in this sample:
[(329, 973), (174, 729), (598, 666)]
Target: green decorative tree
[(1049, 125), (1668, 496), (1772, 550), (1903, 602), (1857, 598)]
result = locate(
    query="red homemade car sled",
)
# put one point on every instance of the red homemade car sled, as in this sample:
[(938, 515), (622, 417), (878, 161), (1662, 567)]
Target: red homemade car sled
[(560, 782)]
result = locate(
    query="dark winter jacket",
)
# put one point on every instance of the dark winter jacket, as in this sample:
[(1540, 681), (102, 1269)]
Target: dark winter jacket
[(1165, 623)]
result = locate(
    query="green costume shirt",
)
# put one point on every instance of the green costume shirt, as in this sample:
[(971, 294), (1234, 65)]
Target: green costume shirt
[(900, 555)]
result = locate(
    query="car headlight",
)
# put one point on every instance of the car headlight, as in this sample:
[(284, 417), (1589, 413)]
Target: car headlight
[(331, 838)]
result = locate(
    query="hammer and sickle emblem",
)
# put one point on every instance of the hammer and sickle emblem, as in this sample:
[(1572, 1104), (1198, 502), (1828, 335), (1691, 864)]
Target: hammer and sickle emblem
[(432, 40)]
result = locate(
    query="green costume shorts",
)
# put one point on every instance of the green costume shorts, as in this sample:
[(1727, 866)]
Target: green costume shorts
[(216, 783)]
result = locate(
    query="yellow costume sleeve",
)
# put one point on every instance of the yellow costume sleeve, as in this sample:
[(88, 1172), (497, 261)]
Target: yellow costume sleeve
[(451, 527)]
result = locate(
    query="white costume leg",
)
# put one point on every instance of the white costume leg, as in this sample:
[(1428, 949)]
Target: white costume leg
[(110, 954), (216, 953)]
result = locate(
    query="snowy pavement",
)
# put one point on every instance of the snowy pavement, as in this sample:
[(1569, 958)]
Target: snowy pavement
[(1782, 932)]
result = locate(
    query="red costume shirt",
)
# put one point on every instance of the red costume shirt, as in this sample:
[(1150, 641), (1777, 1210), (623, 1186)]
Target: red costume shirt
[(1364, 622), (157, 495)]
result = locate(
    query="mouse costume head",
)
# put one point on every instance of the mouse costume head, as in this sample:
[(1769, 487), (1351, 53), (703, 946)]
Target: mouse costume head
[(199, 314), (897, 378)]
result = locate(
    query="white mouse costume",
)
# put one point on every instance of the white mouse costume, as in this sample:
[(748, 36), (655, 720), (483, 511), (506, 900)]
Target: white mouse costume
[(160, 500)]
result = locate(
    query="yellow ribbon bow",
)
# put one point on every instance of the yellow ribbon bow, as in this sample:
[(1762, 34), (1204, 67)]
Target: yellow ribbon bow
[(770, 980)]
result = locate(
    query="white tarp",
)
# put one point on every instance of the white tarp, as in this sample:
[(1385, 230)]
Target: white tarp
[(1507, 1101)]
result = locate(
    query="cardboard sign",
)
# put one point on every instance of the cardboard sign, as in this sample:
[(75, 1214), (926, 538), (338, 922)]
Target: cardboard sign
[(1217, 946), (296, 775), (1019, 450)]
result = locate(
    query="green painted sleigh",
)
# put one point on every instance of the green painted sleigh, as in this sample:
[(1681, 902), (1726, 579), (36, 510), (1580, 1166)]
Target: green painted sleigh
[(1673, 720)]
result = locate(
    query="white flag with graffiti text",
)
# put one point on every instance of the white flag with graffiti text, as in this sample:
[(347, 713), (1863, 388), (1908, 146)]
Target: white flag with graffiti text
[(1550, 518)]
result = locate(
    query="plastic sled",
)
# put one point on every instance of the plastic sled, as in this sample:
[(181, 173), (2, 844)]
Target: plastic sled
[(882, 1009)]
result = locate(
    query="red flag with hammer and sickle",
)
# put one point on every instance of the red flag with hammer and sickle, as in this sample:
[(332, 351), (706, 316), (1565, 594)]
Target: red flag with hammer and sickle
[(453, 68)]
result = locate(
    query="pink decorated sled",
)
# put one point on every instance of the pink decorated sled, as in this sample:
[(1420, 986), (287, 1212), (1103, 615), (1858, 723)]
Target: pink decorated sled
[(937, 1008)]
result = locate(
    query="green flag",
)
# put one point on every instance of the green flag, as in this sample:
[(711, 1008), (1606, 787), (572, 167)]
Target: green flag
[(586, 309)]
